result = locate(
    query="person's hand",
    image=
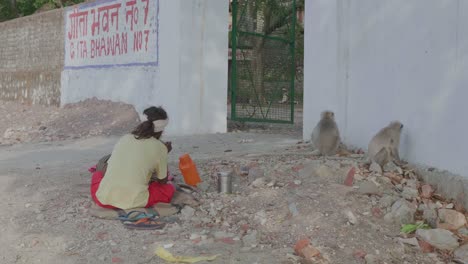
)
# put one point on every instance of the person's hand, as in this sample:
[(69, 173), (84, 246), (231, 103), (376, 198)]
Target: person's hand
[(169, 146), (162, 181)]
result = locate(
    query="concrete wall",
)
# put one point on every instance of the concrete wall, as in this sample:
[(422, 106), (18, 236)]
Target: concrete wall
[(376, 61), (188, 78), (31, 58)]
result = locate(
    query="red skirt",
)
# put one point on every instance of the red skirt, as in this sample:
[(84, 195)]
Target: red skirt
[(157, 192)]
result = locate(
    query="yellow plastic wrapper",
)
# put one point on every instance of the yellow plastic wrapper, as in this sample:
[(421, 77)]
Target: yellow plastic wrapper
[(167, 256)]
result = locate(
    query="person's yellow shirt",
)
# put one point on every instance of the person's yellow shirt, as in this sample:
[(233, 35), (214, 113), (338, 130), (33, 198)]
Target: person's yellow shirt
[(129, 170)]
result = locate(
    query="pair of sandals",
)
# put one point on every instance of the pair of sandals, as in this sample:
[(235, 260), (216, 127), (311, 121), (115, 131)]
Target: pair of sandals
[(149, 220)]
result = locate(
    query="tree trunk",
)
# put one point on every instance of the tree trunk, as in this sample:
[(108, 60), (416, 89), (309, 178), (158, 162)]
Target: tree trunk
[(258, 70), (258, 66), (14, 9)]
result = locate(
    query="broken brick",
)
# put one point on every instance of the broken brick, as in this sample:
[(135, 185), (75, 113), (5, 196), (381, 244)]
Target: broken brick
[(300, 245), (102, 235), (377, 212), (359, 254), (117, 260), (309, 252), (425, 247), (227, 240), (350, 177), (426, 191)]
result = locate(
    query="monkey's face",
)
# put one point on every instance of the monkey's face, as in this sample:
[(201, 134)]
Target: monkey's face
[(396, 125), (328, 115)]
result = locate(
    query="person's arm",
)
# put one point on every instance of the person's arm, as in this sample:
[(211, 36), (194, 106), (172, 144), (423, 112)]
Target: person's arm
[(161, 168)]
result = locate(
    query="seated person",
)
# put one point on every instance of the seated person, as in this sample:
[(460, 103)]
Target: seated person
[(127, 181)]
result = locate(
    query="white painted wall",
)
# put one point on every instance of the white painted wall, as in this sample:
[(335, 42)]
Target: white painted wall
[(376, 61), (190, 81)]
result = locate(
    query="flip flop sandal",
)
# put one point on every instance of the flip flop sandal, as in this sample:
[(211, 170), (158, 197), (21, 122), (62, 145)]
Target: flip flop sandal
[(186, 188), (133, 216), (145, 224)]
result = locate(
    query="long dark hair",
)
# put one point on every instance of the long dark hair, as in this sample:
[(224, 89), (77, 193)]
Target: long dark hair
[(146, 129)]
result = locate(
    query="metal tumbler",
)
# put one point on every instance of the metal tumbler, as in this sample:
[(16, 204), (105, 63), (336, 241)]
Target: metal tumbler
[(225, 182)]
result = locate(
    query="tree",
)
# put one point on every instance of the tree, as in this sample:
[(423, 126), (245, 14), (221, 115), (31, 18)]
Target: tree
[(268, 18), (7, 10), (10, 9)]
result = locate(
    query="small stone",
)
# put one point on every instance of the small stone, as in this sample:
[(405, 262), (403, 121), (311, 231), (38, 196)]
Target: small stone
[(293, 209), (392, 167), (187, 212), (371, 259), (427, 191), (409, 193), (358, 177), (222, 234), (308, 171), (258, 183), (27, 205), (194, 236), (414, 184), (402, 212), (297, 182), (351, 217), (324, 172), (261, 217), (250, 240), (292, 257), (374, 167), (62, 218), (399, 170), (461, 254), (463, 231), (203, 186), (368, 188), (450, 206), (387, 201), (409, 241), (439, 238), (430, 215), (271, 184), (244, 171), (256, 172), (40, 217), (112, 243), (451, 219)]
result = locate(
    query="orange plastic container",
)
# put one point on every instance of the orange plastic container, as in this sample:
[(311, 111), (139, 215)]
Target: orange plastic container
[(189, 170)]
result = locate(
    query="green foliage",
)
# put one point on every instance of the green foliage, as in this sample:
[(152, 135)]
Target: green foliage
[(10, 9), (6, 10), (410, 228)]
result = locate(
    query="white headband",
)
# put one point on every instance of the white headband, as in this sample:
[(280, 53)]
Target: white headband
[(159, 125)]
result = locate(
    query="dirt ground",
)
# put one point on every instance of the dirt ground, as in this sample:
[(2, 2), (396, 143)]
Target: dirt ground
[(281, 194)]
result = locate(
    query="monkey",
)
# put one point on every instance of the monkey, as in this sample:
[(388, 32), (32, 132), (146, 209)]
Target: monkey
[(384, 146), (326, 136)]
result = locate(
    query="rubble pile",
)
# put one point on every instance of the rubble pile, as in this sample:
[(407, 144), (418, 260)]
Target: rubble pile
[(92, 117)]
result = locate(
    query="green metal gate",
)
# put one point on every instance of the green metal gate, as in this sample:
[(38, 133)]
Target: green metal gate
[(263, 60)]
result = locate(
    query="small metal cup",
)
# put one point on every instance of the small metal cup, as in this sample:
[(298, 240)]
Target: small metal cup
[(225, 182)]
